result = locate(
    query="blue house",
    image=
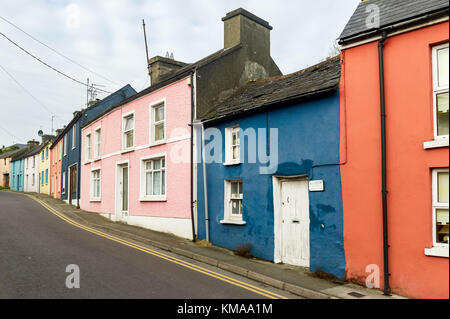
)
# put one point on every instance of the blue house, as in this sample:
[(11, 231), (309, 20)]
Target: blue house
[(71, 135), (17, 166), (268, 178)]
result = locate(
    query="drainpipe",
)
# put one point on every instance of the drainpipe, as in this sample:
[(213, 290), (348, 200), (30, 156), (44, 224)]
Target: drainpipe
[(192, 156), (387, 289), (205, 188)]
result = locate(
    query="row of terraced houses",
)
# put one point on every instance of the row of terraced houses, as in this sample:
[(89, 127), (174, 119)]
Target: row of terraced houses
[(340, 167)]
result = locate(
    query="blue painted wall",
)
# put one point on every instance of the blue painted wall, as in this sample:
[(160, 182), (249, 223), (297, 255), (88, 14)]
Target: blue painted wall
[(16, 175), (73, 156), (308, 144)]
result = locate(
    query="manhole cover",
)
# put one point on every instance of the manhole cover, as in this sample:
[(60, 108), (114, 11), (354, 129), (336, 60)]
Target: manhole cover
[(356, 295)]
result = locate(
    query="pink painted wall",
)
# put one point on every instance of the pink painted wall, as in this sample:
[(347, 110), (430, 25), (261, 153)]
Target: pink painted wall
[(178, 108), (55, 170)]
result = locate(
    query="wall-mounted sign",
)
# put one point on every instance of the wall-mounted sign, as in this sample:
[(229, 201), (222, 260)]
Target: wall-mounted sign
[(316, 186)]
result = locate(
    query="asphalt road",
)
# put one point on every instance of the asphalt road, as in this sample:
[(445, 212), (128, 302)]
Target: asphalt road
[(36, 247)]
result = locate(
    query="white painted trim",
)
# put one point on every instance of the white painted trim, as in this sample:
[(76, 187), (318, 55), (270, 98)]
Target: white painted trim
[(123, 131), (228, 146), (232, 222), (437, 205), (86, 157), (437, 251), (228, 218), (437, 143), (436, 89), (117, 195), (94, 149)]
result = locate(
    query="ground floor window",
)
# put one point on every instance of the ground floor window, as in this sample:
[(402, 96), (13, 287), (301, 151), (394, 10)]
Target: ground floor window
[(153, 178), (233, 201), (440, 207), (95, 184)]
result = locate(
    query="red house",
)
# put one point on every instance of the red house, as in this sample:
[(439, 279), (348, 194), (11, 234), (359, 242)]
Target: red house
[(395, 146)]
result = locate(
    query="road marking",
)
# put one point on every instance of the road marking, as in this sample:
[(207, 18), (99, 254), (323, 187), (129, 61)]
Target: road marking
[(180, 262)]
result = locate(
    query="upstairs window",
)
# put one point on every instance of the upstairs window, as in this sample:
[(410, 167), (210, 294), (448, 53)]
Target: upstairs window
[(128, 131), (232, 145), (157, 123), (46, 153), (440, 90), (65, 145), (97, 141), (74, 135), (88, 147)]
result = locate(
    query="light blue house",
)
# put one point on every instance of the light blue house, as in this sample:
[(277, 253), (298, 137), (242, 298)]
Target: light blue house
[(17, 168), (286, 207)]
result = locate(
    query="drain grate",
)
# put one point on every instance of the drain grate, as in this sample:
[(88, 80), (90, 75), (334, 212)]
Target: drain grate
[(356, 295)]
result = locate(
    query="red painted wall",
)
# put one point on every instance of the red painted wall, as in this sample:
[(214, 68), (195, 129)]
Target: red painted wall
[(409, 107)]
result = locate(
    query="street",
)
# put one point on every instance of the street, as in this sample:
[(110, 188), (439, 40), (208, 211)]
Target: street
[(36, 247)]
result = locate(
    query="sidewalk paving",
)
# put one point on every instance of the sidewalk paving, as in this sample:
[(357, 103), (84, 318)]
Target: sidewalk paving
[(296, 280)]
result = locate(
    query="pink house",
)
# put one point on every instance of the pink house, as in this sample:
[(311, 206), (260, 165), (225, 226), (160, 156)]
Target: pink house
[(136, 160)]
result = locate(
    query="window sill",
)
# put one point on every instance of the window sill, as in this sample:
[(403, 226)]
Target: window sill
[(153, 199), (95, 200), (437, 252), (128, 150), (232, 222), (440, 142), (158, 143), (232, 163)]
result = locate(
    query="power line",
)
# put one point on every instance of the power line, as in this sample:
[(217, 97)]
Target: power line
[(28, 92), (60, 54), (12, 135), (46, 64)]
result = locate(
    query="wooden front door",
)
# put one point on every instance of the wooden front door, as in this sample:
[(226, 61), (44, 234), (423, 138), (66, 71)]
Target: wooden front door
[(73, 183)]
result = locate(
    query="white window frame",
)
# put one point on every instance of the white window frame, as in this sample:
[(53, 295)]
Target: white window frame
[(124, 139), (152, 198), (97, 142), (74, 136), (94, 198), (438, 249), (228, 216), (229, 131), (437, 90), (63, 185), (152, 122), (65, 144), (88, 139)]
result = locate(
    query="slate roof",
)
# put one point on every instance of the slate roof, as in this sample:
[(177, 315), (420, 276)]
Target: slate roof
[(170, 78), (391, 12), (318, 79)]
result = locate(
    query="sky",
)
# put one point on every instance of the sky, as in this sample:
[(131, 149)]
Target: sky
[(106, 38)]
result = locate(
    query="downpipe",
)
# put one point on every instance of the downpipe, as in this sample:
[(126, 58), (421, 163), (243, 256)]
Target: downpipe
[(387, 289)]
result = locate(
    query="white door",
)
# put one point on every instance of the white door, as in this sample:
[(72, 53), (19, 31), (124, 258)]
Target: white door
[(122, 189), (295, 223)]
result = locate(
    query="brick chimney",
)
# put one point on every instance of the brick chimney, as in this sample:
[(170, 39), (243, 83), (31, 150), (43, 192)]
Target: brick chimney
[(159, 67), (241, 26), (32, 143)]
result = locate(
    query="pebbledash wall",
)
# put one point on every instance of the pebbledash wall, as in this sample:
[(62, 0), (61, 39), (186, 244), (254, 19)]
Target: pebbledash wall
[(409, 124), (171, 214), (31, 173), (308, 145)]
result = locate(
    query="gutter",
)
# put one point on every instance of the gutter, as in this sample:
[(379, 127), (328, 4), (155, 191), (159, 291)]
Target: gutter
[(387, 289)]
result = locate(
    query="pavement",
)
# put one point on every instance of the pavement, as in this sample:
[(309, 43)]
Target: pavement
[(294, 281)]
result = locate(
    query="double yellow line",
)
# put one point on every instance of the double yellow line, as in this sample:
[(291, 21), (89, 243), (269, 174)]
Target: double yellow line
[(180, 262)]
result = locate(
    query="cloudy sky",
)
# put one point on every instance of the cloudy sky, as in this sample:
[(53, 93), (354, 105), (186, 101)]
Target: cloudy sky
[(106, 37)]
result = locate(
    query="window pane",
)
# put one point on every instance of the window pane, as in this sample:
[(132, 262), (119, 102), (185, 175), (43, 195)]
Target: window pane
[(163, 162), (148, 183), (97, 194), (236, 153), (129, 139), (235, 207), (159, 113), (159, 132), (442, 56), (156, 183), (442, 226), (163, 183), (148, 165), (129, 123), (156, 164), (442, 113), (443, 187), (234, 189)]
